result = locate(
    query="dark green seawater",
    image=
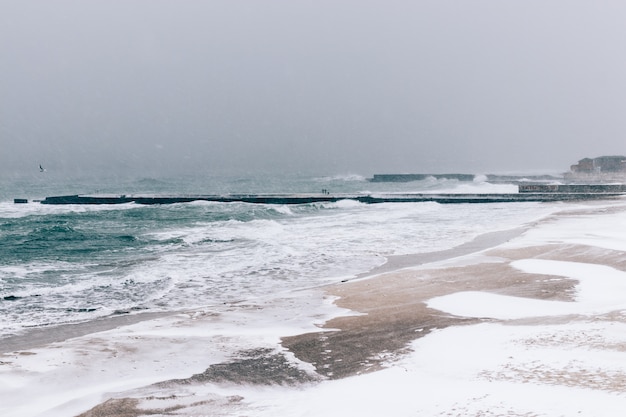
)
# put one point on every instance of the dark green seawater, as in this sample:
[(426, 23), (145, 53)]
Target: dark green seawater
[(73, 263)]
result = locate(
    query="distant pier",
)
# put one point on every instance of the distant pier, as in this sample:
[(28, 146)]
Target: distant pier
[(509, 179), (572, 188), (419, 177)]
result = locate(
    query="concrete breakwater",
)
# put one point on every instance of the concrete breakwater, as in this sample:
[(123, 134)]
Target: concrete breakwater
[(419, 177), (322, 198), (572, 188), (510, 179)]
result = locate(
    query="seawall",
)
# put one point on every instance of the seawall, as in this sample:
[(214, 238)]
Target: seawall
[(509, 179), (572, 188), (325, 198), (419, 177)]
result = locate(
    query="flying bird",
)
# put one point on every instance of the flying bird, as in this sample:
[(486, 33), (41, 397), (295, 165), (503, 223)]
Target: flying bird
[(41, 169)]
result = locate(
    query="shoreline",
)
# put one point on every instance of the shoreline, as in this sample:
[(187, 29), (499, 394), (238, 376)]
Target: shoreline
[(479, 243), (41, 336)]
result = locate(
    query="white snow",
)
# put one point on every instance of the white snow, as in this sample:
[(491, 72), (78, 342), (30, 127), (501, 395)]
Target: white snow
[(482, 370), (601, 289)]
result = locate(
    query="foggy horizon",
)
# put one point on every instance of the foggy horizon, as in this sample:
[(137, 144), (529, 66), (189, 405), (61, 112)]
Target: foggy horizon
[(158, 88)]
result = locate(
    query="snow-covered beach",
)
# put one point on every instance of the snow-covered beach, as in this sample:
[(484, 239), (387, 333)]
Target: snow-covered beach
[(535, 326), (315, 209)]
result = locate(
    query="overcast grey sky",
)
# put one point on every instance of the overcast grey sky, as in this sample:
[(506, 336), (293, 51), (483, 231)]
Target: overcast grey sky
[(341, 86)]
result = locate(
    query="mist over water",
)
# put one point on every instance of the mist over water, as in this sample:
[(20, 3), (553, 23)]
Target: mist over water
[(154, 88)]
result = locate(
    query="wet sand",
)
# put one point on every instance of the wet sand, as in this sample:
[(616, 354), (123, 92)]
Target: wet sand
[(42, 336), (393, 309)]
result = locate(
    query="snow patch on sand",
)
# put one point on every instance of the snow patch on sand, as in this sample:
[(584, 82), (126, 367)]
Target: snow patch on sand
[(600, 289)]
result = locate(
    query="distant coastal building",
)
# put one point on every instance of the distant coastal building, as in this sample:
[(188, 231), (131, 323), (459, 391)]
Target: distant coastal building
[(602, 168)]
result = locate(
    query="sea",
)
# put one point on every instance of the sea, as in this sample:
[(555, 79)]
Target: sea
[(75, 263)]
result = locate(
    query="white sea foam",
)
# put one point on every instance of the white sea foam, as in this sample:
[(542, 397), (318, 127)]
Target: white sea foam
[(22, 271), (344, 177), (480, 188), (9, 210), (225, 252)]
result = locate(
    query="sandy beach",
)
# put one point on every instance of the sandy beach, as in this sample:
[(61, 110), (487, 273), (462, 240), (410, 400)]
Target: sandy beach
[(524, 323)]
